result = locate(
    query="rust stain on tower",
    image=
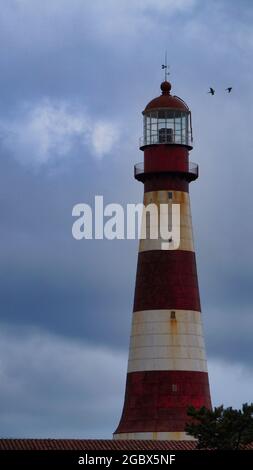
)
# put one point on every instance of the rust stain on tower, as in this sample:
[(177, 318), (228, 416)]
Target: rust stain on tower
[(167, 368)]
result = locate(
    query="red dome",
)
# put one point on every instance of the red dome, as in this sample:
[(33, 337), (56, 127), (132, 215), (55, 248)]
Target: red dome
[(166, 100)]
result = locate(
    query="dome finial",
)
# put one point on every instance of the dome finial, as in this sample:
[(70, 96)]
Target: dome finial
[(165, 87)]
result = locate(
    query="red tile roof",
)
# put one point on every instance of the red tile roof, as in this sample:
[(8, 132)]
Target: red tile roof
[(92, 444), (95, 444)]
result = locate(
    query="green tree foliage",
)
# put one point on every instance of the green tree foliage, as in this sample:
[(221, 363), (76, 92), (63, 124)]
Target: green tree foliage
[(221, 428)]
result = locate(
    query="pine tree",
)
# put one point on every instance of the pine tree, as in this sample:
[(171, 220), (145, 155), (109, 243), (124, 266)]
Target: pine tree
[(221, 428)]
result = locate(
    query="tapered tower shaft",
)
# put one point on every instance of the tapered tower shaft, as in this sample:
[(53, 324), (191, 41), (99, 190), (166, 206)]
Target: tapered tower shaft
[(167, 369)]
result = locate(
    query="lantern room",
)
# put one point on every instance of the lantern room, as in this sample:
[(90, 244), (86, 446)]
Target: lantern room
[(167, 120)]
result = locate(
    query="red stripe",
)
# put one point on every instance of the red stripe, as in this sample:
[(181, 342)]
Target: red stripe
[(151, 405), (165, 158), (166, 279), (164, 182)]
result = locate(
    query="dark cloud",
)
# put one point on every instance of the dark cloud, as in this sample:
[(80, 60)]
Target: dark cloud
[(40, 372)]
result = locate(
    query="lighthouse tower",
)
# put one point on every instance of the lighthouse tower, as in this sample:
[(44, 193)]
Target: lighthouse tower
[(167, 369)]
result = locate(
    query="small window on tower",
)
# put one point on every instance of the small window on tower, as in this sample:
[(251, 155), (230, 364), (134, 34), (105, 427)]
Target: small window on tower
[(174, 388), (173, 315), (170, 195)]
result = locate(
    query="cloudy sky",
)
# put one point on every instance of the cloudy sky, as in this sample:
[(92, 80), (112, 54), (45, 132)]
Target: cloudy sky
[(75, 76)]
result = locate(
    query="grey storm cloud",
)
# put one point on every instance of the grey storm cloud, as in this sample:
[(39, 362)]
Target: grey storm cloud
[(43, 407), (74, 79)]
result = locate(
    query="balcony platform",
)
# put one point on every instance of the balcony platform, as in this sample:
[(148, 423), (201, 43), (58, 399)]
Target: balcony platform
[(190, 175)]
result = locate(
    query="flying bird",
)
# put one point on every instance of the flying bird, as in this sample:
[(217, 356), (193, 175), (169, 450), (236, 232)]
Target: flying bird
[(212, 91), (229, 89)]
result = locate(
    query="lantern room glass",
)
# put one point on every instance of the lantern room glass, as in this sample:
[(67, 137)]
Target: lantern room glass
[(166, 127)]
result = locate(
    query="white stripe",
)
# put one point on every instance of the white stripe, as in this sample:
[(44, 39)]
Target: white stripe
[(152, 340), (149, 245), (147, 316), (167, 351), (145, 365), (160, 342), (186, 237), (179, 197)]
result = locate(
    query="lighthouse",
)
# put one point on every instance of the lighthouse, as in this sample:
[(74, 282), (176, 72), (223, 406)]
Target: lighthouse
[(167, 370)]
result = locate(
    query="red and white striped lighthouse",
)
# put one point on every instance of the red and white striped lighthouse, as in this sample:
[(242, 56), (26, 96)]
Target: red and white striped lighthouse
[(167, 368)]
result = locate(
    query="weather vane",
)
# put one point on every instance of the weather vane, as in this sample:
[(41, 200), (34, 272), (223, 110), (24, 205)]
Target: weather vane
[(165, 67)]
